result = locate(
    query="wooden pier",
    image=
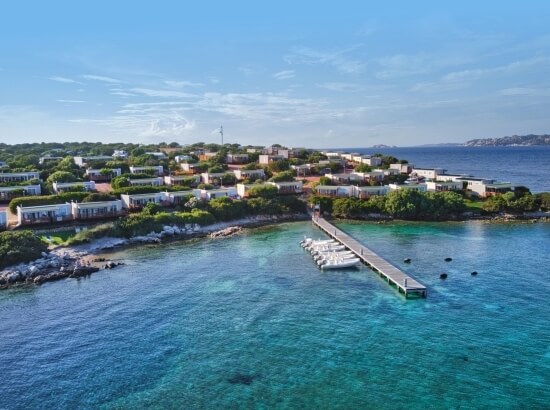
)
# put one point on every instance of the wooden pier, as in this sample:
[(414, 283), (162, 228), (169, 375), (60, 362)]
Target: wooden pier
[(403, 282)]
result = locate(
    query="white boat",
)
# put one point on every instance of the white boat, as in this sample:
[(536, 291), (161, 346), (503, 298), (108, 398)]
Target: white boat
[(341, 264), (308, 244), (332, 254), (328, 249), (334, 258)]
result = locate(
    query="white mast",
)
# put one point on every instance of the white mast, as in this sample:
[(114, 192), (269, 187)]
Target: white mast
[(221, 132)]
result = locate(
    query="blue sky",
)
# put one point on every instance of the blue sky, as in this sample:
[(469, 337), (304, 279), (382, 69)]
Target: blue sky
[(298, 73)]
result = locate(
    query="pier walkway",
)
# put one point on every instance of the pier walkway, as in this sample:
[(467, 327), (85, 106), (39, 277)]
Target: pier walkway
[(403, 282)]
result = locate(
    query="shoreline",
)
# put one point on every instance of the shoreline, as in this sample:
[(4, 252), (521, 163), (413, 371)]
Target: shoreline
[(75, 261)]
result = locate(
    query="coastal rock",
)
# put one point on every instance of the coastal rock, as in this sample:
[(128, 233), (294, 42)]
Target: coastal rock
[(227, 232), (83, 271)]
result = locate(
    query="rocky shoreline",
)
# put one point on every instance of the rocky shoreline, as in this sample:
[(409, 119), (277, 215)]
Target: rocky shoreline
[(82, 260)]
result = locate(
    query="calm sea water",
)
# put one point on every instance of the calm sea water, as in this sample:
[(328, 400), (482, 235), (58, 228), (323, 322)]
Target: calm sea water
[(529, 166), (249, 322)]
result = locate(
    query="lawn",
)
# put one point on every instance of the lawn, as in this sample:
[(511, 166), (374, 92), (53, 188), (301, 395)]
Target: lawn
[(58, 238), (473, 205)]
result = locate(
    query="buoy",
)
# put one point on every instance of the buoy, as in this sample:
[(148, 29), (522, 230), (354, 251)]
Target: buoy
[(448, 259), (407, 260), (443, 276), (474, 273)]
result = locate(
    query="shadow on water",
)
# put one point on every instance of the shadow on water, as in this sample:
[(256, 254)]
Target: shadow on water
[(242, 378)]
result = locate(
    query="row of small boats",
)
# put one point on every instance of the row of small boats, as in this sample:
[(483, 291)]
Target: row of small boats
[(330, 254)]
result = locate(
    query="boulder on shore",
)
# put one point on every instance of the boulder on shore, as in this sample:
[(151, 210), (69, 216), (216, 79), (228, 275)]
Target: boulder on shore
[(227, 232)]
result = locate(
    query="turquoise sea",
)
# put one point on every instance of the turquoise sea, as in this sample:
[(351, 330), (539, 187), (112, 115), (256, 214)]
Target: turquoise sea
[(250, 322)]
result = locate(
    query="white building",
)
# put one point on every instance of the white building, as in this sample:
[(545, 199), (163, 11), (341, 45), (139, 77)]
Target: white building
[(97, 174), (303, 170), (237, 158), (83, 161), (266, 159), (9, 192), (190, 168), (59, 187), (483, 187), (137, 201), (158, 181), (18, 176), (290, 187), (428, 173), (441, 186), (242, 189), (157, 170), (180, 179), (44, 214), (451, 177), (412, 187), (209, 194), (251, 174), (120, 154), (181, 197), (94, 210), (402, 168), (212, 177), (335, 191), (365, 192)]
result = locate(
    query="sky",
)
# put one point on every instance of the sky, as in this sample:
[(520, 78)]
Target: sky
[(298, 73)]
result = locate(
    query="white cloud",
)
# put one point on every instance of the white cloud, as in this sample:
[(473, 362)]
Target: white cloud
[(180, 84), (334, 58), (64, 80), (213, 80), (122, 93), (284, 75), (101, 78), (71, 101), (160, 93), (341, 87), (459, 79)]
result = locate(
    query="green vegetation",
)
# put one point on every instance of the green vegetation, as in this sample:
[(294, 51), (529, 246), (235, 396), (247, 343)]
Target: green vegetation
[(513, 202), (403, 204), (46, 200), (144, 223), (285, 176), (58, 238), (262, 191), (19, 246)]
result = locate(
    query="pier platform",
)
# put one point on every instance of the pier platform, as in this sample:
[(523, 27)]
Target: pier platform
[(395, 276)]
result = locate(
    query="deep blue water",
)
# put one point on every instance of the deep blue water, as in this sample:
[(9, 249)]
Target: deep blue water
[(529, 166), (249, 322)]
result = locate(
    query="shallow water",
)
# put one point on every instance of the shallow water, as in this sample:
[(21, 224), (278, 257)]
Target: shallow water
[(251, 322)]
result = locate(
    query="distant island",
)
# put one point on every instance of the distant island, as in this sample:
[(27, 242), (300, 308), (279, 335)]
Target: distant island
[(384, 146), (513, 141)]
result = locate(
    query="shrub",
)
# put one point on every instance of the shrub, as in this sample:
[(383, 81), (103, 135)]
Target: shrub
[(19, 246), (46, 200)]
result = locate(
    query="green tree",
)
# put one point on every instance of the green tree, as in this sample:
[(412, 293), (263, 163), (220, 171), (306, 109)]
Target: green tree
[(120, 182), (285, 176), (363, 168), (263, 191), (279, 166), (19, 246), (61, 176)]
